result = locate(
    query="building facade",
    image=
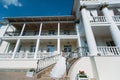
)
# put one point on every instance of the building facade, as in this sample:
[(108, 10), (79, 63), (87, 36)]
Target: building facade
[(93, 28)]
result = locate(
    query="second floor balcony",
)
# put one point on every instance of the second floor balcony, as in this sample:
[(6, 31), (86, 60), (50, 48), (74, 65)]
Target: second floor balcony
[(102, 20), (44, 33)]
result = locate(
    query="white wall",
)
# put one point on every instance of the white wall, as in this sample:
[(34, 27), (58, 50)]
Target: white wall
[(108, 68), (82, 64), (18, 64)]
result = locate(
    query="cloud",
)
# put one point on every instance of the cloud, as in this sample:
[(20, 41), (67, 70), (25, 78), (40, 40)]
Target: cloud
[(7, 3)]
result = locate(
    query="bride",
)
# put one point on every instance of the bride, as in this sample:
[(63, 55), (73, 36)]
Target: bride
[(60, 68)]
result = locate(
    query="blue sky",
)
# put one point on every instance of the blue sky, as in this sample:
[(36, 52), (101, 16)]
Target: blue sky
[(19, 8)]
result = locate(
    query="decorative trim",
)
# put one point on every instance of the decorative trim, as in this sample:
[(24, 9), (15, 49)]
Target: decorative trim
[(102, 6), (83, 6)]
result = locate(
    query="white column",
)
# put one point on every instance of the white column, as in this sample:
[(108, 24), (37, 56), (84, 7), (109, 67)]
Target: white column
[(40, 29), (16, 48), (94, 68), (3, 30), (78, 34), (58, 29), (114, 30), (37, 48), (89, 34), (22, 29), (58, 45)]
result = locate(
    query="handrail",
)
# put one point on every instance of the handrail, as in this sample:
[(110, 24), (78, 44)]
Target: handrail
[(71, 57), (45, 62)]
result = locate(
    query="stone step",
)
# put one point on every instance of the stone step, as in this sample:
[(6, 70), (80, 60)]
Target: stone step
[(14, 76)]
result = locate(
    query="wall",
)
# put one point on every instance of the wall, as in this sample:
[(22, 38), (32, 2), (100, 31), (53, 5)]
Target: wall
[(108, 68), (18, 64), (82, 64)]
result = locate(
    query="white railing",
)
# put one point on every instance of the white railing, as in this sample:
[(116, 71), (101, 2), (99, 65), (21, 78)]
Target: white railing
[(6, 55), (116, 18), (46, 61), (108, 51), (99, 19), (102, 19), (24, 55)]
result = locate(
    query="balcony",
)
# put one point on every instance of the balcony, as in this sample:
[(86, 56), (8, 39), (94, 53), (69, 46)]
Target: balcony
[(12, 34), (82, 51), (103, 20), (102, 51), (108, 51), (35, 34)]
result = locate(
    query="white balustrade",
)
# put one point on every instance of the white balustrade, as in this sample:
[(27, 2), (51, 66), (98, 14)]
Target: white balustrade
[(102, 19), (6, 55), (116, 19), (46, 61), (106, 51), (99, 19)]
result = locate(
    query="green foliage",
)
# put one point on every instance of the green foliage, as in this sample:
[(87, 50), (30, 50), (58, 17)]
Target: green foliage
[(32, 70), (82, 76)]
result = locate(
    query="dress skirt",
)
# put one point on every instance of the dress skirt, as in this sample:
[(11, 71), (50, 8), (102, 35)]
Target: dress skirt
[(59, 69)]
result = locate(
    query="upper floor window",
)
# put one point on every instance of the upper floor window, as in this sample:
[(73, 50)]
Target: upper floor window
[(110, 43), (32, 48), (67, 48), (51, 32), (66, 32), (50, 48)]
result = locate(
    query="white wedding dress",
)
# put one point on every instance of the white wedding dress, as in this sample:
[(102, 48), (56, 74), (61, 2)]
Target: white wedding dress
[(59, 69)]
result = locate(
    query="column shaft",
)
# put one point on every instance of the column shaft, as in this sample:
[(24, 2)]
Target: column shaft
[(22, 29), (58, 28), (114, 30), (40, 29), (37, 48), (58, 45), (89, 33), (16, 48)]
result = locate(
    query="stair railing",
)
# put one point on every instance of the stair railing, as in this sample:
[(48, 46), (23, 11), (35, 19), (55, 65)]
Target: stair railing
[(71, 57), (46, 62)]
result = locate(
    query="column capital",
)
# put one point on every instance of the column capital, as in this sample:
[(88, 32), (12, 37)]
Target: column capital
[(103, 5), (83, 6)]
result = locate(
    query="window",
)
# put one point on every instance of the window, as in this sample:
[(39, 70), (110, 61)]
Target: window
[(67, 48), (66, 32), (50, 48), (110, 43), (51, 32), (32, 49)]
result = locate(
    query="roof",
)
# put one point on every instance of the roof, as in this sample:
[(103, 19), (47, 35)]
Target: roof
[(39, 18)]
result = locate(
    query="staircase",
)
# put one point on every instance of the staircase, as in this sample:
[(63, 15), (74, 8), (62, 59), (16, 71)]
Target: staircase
[(45, 74)]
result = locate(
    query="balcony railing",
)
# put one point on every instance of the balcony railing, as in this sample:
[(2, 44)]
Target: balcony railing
[(108, 51), (99, 19), (24, 55), (103, 20), (81, 51), (12, 34), (36, 33), (6, 55), (116, 19)]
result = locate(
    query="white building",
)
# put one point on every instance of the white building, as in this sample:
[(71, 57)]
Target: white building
[(93, 29)]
